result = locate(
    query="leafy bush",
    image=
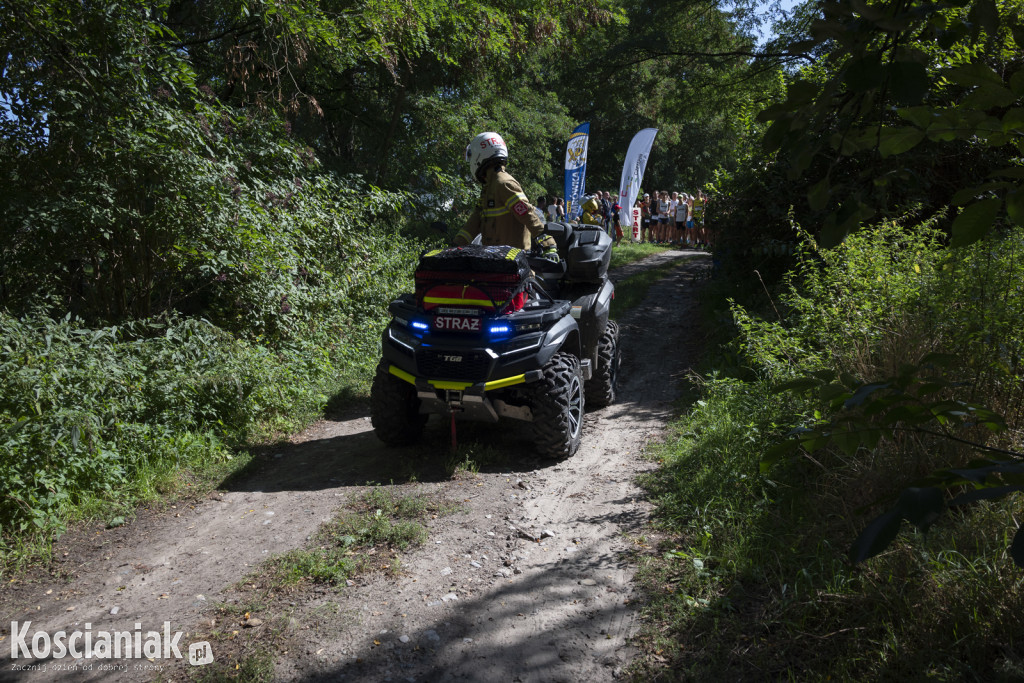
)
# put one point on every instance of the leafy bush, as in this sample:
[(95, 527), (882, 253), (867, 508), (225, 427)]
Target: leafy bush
[(92, 414), (758, 558), (179, 274), (862, 315)]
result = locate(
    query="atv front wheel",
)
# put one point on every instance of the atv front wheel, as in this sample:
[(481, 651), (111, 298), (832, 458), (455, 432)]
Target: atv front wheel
[(556, 401), (602, 387), (395, 409)]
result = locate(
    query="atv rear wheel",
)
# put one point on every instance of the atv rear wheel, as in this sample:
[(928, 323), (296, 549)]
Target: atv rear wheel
[(556, 401), (395, 409), (602, 387)]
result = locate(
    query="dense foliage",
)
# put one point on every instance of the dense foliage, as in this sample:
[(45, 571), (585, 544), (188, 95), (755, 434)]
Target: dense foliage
[(208, 203), (759, 553), (864, 383)]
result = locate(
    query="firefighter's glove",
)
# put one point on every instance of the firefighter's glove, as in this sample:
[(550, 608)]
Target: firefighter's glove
[(547, 249)]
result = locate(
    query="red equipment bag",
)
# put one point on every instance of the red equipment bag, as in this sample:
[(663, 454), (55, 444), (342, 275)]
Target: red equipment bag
[(491, 278)]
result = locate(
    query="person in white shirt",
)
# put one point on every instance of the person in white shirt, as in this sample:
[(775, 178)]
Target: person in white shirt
[(682, 213), (665, 215), (552, 209)]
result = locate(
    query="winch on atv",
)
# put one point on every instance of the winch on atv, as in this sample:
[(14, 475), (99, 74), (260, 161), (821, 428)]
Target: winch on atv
[(492, 333)]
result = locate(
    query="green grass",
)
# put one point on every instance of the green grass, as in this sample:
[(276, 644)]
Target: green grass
[(752, 581), (469, 458), (630, 252), (631, 291), (367, 535)]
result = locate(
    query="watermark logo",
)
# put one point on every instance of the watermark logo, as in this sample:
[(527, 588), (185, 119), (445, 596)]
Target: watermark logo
[(200, 653), (103, 644)]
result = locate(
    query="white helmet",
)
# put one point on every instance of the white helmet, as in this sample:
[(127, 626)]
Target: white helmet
[(484, 148)]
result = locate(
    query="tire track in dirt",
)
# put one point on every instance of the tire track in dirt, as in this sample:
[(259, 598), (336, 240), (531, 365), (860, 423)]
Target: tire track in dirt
[(508, 609)]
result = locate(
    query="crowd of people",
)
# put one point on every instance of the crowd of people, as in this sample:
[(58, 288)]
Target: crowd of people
[(673, 218)]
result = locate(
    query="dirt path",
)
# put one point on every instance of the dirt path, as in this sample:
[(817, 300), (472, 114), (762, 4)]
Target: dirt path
[(478, 602)]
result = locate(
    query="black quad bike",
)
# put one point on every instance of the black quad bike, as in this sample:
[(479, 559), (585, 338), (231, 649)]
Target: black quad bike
[(492, 332)]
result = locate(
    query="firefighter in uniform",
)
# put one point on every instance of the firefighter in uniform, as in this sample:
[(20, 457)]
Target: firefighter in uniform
[(503, 215)]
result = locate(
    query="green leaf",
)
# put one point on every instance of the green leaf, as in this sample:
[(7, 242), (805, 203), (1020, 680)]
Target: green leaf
[(967, 194), (773, 112), (832, 391), (973, 75), (815, 443), (864, 73), (876, 537), (921, 506), (985, 14), (930, 388), (853, 140), (897, 23), (801, 92), (801, 162), (776, 132), (17, 426), (920, 116), (908, 81), (776, 453), (1015, 205), (869, 438), (840, 224), (956, 32), (863, 393), (880, 404), (898, 140), (911, 414), (1017, 82), (818, 195), (945, 126), (1010, 172), (975, 221), (847, 441), (1018, 33), (989, 96), (1013, 120)]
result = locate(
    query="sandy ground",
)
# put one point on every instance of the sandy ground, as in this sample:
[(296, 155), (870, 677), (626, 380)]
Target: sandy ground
[(480, 601)]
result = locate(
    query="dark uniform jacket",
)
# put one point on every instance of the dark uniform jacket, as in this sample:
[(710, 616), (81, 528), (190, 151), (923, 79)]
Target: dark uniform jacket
[(502, 215)]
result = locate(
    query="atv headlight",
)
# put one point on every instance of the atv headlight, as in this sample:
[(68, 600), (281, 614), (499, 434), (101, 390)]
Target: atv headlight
[(523, 343), (403, 338), (417, 327)]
